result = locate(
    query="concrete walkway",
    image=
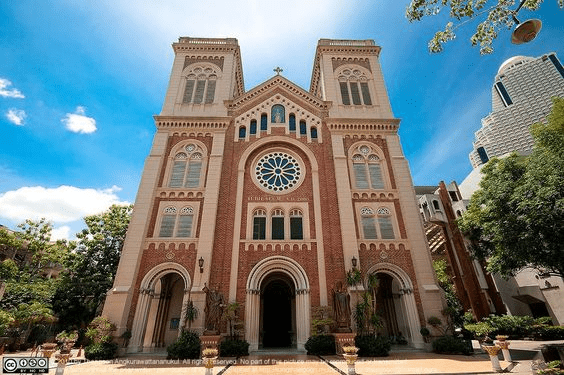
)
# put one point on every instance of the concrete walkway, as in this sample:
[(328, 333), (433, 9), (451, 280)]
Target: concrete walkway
[(401, 362)]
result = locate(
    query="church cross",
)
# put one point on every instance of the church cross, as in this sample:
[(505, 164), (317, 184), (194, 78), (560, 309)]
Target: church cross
[(278, 70)]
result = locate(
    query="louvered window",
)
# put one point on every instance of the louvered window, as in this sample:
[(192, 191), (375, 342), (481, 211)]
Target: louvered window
[(184, 225), (360, 176), (199, 95), (345, 93), (365, 93), (369, 228), (168, 222), (188, 91), (193, 178), (386, 227), (376, 176), (178, 169), (186, 168), (210, 91), (355, 94)]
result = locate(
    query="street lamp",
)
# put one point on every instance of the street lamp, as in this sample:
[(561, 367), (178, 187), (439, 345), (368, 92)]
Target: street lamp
[(526, 31), (353, 261), (201, 264)]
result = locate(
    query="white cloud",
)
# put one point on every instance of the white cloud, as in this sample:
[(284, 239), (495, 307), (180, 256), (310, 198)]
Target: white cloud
[(7, 92), (64, 204), (16, 116), (77, 122), (60, 233)]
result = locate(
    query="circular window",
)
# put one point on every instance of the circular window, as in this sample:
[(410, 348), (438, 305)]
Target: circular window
[(278, 172)]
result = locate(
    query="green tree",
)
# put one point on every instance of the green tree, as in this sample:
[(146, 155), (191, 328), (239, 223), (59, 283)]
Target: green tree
[(515, 219), (92, 267), (499, 16)]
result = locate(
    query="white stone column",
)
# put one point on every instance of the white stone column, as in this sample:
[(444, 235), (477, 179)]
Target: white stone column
[(302, 317), (252, 307), (185, 300), (140, 320)]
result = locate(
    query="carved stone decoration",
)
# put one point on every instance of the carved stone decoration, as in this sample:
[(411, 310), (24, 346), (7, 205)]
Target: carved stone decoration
[(384, 255), (213, 310), (341, 308)]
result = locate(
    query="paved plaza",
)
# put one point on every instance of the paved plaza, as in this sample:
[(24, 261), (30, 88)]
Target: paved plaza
[(399, 362)]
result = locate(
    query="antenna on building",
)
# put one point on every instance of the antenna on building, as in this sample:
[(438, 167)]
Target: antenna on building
[(526, 31)]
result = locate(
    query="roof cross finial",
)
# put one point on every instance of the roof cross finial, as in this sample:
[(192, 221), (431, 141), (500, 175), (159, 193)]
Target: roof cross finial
[(278, 70)]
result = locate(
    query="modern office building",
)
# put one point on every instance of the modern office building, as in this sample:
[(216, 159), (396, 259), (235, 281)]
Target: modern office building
[(521, 96), (267, 197)]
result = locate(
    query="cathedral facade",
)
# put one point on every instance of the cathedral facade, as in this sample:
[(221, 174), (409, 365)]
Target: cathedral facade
[(267, 198)]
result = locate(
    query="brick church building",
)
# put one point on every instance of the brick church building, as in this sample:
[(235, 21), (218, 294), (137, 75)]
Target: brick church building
[(268, 197)]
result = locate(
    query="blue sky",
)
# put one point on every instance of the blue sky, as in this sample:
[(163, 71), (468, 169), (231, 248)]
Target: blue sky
[(81, 80)]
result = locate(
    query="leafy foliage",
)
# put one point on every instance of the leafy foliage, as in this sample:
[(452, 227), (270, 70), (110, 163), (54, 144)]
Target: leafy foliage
[(515, 219), (187, 346), (499, 16), (101, 351), (454, 311), (234, 323), (234, 348), (452, 345), (92, 267), (320, 345), (373, 346)]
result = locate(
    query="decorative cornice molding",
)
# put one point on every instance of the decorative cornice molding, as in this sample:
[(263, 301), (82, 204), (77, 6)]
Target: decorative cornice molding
[(352, 127), (195, 123)]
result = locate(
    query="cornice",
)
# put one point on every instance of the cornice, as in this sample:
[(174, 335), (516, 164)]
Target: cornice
[(195, 123), (362, 126)]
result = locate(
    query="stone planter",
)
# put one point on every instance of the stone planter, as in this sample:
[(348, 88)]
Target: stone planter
[(504, 346), (492, 351), (208, 364), (351, 357)]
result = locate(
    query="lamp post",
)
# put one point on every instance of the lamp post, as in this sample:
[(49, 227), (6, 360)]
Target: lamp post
[(526, 31), (201, 264)]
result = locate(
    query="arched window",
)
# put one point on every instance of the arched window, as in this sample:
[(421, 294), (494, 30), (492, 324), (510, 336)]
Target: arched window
[(176, 223), (353, 84), (292, 122), (242, 132), (277, 114), (303, 127), (253, 129), (313, 132), (200, 85), (368, 223), (187, 168), (385, 223), (296, 225), (259, 224), (367, 169), (263, 122), (278, 224)]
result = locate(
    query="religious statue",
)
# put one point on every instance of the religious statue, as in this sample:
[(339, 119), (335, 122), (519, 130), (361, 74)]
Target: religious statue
[(341, 308), (214, 309)]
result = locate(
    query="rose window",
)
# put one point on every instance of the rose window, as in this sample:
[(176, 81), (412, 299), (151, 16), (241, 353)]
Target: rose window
[(278, 172)]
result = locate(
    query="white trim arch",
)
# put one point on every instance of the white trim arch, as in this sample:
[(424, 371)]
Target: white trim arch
[(407, 299), (146, 296), (291, 268)]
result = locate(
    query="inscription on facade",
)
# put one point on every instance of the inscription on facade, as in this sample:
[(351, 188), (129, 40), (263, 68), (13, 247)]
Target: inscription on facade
[(276, 199)]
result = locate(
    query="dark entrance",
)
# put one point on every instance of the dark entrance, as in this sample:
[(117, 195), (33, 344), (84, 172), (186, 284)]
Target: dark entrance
[(277, 312), (385, 304)]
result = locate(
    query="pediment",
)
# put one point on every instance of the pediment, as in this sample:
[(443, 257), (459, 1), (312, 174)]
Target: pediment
[(278, 89)]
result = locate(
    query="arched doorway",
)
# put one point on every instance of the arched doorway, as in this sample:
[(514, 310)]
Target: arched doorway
[(386, 301), (158, 313), (278, 312), (274, 277)]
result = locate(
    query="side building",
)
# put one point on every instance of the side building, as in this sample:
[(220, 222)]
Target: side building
[(267, 197), (521, 96)]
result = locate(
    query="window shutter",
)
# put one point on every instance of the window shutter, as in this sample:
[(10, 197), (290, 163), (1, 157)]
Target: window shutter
[(365, 93), (296, 228), (177, 177), (184, 226), (386, 228), (199, 95), (210, 92), (193, 179), (376, 176), (369, 228), (345, 93), (354, 93), (188, 91), (167, 226), (360, 176)]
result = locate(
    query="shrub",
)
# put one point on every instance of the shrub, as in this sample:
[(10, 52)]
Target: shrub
[(100, 351), (452, 345), (548, 332), (372, 346), (234, 348), (187, 346), (320, 345)]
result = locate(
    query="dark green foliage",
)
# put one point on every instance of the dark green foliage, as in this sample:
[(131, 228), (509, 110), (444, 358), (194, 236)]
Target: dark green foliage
[(548, 332), (320, 345), (516, 327), (187, 346), (372, 346), (452, 345), (233, 348), (100, 351)]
